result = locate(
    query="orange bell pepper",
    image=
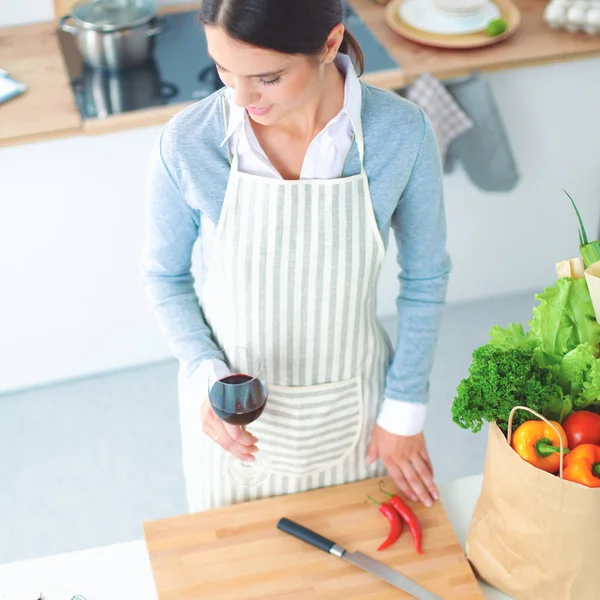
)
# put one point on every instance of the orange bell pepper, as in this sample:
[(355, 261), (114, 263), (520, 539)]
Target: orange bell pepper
[(583, 465), (537, 443)]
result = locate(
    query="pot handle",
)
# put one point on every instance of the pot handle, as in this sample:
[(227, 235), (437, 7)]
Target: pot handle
[(168, 90), (153, 30), (66, 26), (158, 26)]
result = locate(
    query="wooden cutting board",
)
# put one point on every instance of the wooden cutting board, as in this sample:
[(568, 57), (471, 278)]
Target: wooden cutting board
[(237, 553)]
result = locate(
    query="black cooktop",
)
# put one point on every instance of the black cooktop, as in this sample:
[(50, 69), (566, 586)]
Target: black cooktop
[(179, 71)]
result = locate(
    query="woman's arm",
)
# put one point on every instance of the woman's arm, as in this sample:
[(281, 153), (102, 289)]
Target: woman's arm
[(420, 230), (172, 227)]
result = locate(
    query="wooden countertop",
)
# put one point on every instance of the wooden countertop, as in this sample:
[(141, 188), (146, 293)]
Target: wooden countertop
[(31, 53), (534, 43)]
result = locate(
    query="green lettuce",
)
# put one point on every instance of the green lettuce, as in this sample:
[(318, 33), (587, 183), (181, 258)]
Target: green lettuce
[(563, 320), (589, 399), (558, 407), (551, 325), (574, 367), (511, 338), (581, 313), (579, 376), (563, 342)]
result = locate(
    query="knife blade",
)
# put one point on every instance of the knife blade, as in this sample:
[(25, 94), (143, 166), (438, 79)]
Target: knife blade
[(358, 559)]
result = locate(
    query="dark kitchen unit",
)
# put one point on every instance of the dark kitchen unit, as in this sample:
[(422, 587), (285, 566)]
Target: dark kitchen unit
[(179, 70)]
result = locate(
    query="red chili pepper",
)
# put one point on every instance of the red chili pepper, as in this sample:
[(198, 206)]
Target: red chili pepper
[(395, 523), (408, 515)]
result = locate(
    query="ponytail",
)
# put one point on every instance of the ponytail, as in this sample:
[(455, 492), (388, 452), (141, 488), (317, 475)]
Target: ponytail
[(351, 47)]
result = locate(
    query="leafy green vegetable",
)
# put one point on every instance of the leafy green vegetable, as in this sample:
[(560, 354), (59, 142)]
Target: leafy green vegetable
[(580, 312), (550, 323), (563, 319), (514, 336), (579, 376), (582, 234), (572, 369), (589, 399), (590, 251), (552, 368), (498, 380), (558, 408)]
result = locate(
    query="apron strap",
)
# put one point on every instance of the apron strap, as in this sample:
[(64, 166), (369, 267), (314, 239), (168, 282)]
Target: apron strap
[(360, 143)]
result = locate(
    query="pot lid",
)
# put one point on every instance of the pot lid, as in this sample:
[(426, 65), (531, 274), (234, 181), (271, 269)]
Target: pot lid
[(109, 15)]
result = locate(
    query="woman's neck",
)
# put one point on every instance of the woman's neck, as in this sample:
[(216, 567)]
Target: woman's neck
[(309, 120)]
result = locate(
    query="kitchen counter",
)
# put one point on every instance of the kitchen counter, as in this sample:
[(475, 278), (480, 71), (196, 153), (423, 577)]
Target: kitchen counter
[(534, 43), (122, 571), (31, 53)]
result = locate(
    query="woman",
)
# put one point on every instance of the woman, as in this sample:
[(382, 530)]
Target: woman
[(291, 177)]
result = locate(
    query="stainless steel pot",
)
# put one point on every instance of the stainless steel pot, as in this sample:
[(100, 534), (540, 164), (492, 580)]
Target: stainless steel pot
[(113, 47)]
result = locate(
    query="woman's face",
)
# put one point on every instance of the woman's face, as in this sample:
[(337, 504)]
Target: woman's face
[(268, 84)]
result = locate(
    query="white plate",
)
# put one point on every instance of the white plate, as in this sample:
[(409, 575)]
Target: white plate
[(420, 14)]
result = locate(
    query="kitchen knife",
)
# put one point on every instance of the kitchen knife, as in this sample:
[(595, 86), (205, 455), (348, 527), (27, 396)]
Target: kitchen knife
[(359, 559)]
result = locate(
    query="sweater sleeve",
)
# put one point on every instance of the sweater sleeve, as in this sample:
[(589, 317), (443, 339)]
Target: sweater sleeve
[(420, 231), (172, 228)]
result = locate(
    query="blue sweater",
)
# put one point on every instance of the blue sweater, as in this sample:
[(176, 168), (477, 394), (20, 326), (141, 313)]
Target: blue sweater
[(187, 180)]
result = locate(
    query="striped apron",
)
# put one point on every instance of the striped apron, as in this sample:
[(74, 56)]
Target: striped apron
[(293, 275)]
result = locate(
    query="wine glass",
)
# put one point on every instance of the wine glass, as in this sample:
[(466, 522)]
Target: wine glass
[(238, 396)]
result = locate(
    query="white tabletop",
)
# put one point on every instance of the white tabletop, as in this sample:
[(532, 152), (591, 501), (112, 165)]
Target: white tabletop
[(122, 571)]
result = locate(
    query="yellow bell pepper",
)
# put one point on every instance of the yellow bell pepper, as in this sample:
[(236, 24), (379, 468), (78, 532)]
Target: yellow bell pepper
[(538, 444)]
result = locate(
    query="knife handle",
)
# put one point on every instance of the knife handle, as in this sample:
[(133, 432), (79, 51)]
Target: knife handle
[(309, 536)]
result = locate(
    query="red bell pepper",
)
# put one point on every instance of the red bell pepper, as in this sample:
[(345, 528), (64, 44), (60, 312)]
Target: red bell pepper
[(582, 427)]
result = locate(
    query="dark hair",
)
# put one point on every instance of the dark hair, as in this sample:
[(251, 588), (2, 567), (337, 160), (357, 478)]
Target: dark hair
[(286, 26)]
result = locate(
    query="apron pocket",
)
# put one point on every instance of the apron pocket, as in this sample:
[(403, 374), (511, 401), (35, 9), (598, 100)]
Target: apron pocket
[(306, 429)]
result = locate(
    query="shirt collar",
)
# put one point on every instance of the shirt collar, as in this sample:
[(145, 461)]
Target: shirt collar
[(352, 90), (352, 99), (237, 116)]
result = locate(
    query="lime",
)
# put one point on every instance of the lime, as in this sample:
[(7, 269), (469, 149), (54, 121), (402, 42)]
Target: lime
[(496, 27)]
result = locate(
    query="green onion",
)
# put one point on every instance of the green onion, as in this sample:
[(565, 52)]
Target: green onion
[(590, 251)]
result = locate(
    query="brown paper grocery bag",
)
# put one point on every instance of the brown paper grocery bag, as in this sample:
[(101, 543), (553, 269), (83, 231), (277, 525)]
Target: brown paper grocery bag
[(533, 535), (592, 277)]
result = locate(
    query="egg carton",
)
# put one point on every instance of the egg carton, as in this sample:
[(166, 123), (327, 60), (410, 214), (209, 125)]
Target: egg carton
[(574, 15)]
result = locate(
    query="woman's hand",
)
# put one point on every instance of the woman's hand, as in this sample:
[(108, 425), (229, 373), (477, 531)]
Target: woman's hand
[(407, 462), (233, 438)]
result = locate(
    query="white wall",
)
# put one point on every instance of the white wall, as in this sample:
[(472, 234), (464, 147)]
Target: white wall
[(72, 225), (504, 243), (15, 12), (71, 230)]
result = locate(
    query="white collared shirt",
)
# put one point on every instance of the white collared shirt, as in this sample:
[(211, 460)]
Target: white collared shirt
[(326, 153), (324, 159)]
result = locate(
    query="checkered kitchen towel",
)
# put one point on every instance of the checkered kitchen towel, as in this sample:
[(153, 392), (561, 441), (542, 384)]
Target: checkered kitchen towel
[(447, 117), (469, 128)]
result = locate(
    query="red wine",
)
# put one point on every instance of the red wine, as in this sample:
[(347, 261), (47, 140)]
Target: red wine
[(238, 399)]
